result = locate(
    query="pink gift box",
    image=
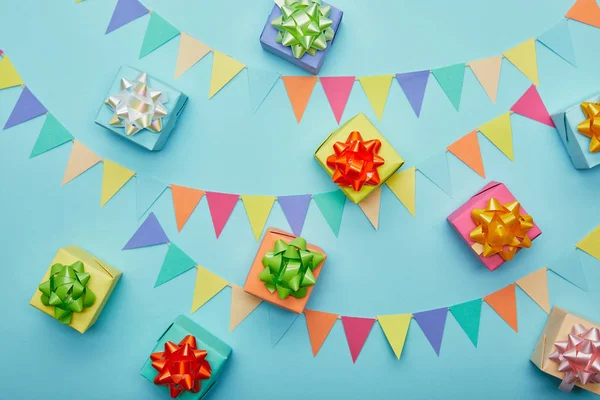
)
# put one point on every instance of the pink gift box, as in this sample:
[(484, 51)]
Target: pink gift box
[(463, 223)]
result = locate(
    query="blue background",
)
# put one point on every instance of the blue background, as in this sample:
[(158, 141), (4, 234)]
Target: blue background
[(409, 265)]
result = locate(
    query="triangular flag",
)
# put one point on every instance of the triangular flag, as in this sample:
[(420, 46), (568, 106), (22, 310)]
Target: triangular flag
[(451, 80), (125, 12), (530, 105), (377, 89), (148, 189), (432, 324), (357, 331), (299, 89), (504, 302), (395, 328), (280, 321), (558, 39), (467, 150), (499, 132), (26, 108), (337, 89), (591, 243), (536, 286), (370, 206), (207, 286), (403, 185), (80, 160), (568, 266), (221, 206), (331, 205), (413, 85), (295, 208), (185, 200), (52, 135), (242, 304), (114, 178), (176, 262), (9, 76), (487, 72), (258, 209), (191, 50), (585, 11), (435, 168), (224, 69), (523, 57), (158, 32), (468, 316), (319, 325), (260, 84), (150, 233)]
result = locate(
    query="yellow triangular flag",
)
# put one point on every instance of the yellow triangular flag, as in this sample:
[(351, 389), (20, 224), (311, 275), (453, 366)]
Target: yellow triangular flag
[(499, 132), (395, 328), (377, 88), (370, 206), (487, 72), (524, 58), (536, 286), (258, 209), (242, 304), (114, 178), (207, 286), (591, 243), (9, 76), (191, 51), (403, 185), (223, 70)]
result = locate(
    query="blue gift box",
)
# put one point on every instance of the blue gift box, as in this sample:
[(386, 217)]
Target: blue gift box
[(174, 105), (307, 62), (218, 354)]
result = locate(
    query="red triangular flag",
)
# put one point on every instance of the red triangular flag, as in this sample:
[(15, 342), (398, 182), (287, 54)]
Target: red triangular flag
[(530, 105), (467, 150), (319, 325), (585, 11), (185, 200), (221, 206), (299, 89), (504, 302), (357, 330), (337, 89)]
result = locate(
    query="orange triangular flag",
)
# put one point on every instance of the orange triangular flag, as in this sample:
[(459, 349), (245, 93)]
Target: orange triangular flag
[(299, 89), (586, 11), (80, 160), (185, 200), (504, 302), (370, 206), (319, 325), (536, 286), (467, 150), (242, 304)]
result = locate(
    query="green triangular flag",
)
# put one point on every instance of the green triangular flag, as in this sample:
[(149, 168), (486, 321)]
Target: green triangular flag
[(158, 32), (176, 262), (468, 316), (451, 80), (331, 205), (53, 134)]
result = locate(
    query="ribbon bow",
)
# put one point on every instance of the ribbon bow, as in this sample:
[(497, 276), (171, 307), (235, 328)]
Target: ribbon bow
[(181, 367), (288, 268), (304, 26), (501, 229), (578, 357), (591, 126), (66, 290)]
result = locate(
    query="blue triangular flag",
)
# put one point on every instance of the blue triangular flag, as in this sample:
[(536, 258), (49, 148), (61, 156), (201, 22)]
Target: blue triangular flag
[(295, 208), (568, 266), (413, 85), (176, 262), (26, 108), (150, 233), (125, 12), (435, 168), (52, 135), (331, 205), (260, 83), (148, 190), (558, 39), (468, 316), (280, 320), (432, 324), (451, 80)]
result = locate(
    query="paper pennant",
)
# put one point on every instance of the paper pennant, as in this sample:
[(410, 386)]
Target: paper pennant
[(435, 168), (467, 150), (591, 243), (331, 205), (26, 108), (52, 135), (558, 39), (299, 89), (125, 12), (536, 286), (150, 233), (468, 316), (148, 190), (280, 321), (487, 72), (319, 324), (357, 331), (295, 208), (242, 304), (221, 206), (395, 328), (413, 85), (191, 51), (403, 185), (432, 324), (185, 200), (504, 302), (224, 69), (585, 11), (370, 206), (260, 84), (158, 32), (499, 132), (337, 89), (114, 178), (9, 76), (207, 286), (451, 80), (80, 160), (568, 266), (258, 209), (530, 105), (523, 57), (176, 262), (377, 89)]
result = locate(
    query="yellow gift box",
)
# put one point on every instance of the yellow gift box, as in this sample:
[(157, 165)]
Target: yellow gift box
[(103, 279), (367, 130)]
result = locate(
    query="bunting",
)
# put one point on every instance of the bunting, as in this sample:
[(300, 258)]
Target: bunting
[(487, 72), (568, 266), (319, 324), (451, 80), (224, 69), (377, 89), (536, 286), (467, 150), (435, 168), (591, 243), (530, 105), (499, 132), (558, 40), (413, 85), (299, 89), (158, 32), (295, 208), (260, 84), (125, 12), (468, 316), (357, 331), (207, 286), (26, 108), (242, 304), (185, 200), (395, 328), (331, 205), (191, 51), (258, 209), (504, 302), (524, 58), (280, 321), (114, 178), (221, 206), (52, 135), (176, 262), (150, 233), (337, 90), (403, 185), (586, 11), (370, 206), (148, 190), (9, 76), (80, 160), (432, 324)]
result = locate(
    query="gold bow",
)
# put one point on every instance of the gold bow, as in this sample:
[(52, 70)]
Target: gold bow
[(591, 126)]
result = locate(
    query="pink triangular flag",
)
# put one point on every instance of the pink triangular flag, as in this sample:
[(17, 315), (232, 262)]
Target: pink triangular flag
[(530, 105), (357, 330), (221, 206), (80, 160), (337, 89)]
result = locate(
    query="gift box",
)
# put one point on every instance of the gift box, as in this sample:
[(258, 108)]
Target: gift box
[(292, 19), (513, 222), (568, 350), (75, 288), (141, 108), (358, 139), (285, 270), (203, 358)]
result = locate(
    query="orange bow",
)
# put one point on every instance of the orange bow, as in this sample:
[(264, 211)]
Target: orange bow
[(591, 126)]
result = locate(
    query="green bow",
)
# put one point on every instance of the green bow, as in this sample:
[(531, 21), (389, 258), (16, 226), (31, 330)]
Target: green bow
[(288, 268), (66, 291), (304, 26)]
